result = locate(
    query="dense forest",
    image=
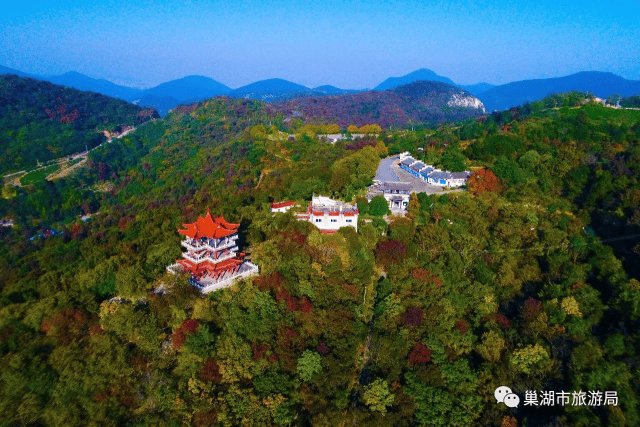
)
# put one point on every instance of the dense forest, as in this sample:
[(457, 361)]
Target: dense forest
[(40, 121), (528, 279)]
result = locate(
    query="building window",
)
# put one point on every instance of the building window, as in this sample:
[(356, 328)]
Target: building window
[(318, 220), (334, 220), (349, 220)]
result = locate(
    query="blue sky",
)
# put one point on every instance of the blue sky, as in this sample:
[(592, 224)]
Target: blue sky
[(349, 44)]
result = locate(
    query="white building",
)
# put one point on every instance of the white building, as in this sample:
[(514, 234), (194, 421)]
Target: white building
[(335, 137), (330, 215), (281, 206), (434, 176), (397, 194)]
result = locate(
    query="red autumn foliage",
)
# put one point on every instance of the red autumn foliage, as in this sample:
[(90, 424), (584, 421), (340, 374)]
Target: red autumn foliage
[(483, 181), (289, 339), (124, 222), (269, 283), (76, 231), (462, 326), (419, 355), (352, 290), (359, 145), (502, 320), (532, 307), (413, 316), (259, 350), (209, 371), (426, 276), (293, 303), (509, 421), (67, 325), (99, 397), (180, 335), (294, 236), (390, 252), (304, 305), (205, 419), (322, 348)]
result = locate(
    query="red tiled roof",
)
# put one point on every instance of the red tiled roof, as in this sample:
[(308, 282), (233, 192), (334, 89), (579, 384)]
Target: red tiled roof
[(278, 205), (225, 265), (328, 231), (206, 226)]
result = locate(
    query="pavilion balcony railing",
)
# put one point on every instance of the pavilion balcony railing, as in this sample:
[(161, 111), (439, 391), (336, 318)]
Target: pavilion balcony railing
[(210, 244), (198, 260), (228, 280)]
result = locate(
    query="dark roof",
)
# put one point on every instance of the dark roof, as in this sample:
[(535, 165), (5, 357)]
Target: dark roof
[(427, 171), (397, 199), (418, 166), (408, 161), (440, 175), (397, 186), (460, 175)]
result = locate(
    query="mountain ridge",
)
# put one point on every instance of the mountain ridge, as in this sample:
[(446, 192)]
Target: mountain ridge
[(194, 88), (422, 101), (600, 83)]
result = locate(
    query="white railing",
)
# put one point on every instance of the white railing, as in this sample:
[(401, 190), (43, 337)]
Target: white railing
[(226, 282), (205, 258), (189, 244)]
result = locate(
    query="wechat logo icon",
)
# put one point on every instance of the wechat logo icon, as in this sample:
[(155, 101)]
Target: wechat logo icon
[(504, 395)]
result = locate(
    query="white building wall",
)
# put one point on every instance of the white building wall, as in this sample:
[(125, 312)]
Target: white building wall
[(282, 209), (333, 222)]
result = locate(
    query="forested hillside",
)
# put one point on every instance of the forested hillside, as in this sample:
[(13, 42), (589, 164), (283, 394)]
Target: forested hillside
[(411, 321), (418, 102), (40, 121)]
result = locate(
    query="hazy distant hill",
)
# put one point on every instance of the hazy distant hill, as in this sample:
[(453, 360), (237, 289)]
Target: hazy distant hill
[(421, 74), (168, 95), (423, 101), (332, 90), (271, 90), (189, 89), (599, 83), (43, 121), (477, 88), (7, 70), (105, 87)]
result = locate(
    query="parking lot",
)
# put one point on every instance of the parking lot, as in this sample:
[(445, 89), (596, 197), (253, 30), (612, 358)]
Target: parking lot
[(388, 170)]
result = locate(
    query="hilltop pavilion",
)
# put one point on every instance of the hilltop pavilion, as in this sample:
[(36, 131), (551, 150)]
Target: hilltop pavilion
[(211, 258)]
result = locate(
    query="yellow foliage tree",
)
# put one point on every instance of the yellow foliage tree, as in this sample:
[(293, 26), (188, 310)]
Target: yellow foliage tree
[(571, 306), (353, 129)]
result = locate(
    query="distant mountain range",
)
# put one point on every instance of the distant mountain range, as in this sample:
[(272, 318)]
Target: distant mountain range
[(599, 83), (167, 96)]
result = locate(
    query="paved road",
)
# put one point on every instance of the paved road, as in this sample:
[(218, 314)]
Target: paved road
[(418, 185), (385, 170)]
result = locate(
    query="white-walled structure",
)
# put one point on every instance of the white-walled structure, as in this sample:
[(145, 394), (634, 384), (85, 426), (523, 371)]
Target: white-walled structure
[(329, 215), (281, 206), (397, 194), (434, 176)]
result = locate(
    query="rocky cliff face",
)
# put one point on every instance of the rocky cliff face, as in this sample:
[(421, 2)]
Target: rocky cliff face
[(467, 101)]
